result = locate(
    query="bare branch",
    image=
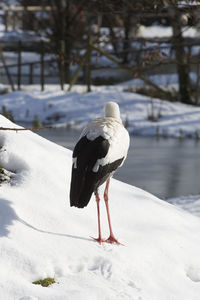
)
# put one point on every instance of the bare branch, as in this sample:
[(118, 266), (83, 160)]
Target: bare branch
[(31, 128), (130, 70)]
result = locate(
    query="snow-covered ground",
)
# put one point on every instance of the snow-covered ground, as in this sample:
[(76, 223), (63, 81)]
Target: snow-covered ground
[(42, 236), (157, 31), (154, 31), (19, 35), (77, 108)]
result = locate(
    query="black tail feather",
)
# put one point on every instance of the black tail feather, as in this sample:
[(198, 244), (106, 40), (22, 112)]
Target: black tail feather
[(81, 188)]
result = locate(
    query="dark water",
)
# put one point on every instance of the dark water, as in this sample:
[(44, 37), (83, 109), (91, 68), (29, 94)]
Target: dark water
[(165, 167)]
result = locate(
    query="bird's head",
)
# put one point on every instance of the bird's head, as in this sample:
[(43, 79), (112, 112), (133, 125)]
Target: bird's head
[(111, 109)]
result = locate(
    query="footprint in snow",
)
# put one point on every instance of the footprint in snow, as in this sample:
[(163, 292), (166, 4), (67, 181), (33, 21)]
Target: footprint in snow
[(77, 268), (28, 298), (133, 285), (194, 273), (103, 265)]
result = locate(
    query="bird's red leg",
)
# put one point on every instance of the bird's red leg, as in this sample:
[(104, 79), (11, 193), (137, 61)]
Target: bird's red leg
[(111, 238), (99, 239)]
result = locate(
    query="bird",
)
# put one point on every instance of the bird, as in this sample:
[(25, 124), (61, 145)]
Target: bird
[(101, 149)]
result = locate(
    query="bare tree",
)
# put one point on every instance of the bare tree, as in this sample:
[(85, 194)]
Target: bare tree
[(66, 24), (63, 24), (70, 21), (180, 54)]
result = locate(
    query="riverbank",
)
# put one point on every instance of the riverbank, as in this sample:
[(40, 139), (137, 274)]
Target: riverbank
[(142, 115)]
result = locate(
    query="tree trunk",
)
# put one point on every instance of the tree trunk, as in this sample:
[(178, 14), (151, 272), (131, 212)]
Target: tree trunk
[(126, 42), (181, 58), (68, 49)]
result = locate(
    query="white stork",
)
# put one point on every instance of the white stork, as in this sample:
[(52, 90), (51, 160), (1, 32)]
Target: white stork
[(100, 150)]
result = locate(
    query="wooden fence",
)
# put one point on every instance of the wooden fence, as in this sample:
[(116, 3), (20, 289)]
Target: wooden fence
[(42, 62), (83, 64)]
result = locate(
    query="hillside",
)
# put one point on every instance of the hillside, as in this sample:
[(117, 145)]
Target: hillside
[(42, 236)]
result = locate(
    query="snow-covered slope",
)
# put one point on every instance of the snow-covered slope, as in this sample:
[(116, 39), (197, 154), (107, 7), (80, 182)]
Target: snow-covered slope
[(41, 236)]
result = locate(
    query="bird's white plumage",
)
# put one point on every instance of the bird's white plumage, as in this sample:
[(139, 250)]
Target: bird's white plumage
[(101, 149), (111, 109), (112, 130)]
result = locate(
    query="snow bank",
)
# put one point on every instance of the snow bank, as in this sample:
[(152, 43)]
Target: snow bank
[(42, 236), (77, 108), (157, 31)]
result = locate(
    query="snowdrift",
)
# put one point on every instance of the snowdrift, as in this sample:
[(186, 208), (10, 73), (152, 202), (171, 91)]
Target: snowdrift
[(41, 236)]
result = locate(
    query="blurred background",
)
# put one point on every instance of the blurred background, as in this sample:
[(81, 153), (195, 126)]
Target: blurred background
[(149, 48), (108, 41)]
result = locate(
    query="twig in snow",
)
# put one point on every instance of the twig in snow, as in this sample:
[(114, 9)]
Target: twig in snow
[(30, 128)]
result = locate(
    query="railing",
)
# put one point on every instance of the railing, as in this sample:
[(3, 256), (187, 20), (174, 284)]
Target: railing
[(84, 62)]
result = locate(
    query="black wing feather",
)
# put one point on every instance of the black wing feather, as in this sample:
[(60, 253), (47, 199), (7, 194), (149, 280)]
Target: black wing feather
[(84, 181)]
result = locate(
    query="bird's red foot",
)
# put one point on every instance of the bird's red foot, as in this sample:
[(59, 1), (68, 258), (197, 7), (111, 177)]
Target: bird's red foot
[(112, 240), (99, 240)]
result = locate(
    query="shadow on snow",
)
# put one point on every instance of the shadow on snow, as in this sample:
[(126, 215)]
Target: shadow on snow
[(7, 217)]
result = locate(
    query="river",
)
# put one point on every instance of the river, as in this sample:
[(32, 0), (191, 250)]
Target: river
[(165, 167)]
